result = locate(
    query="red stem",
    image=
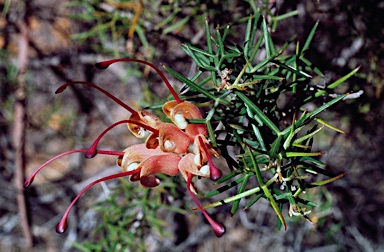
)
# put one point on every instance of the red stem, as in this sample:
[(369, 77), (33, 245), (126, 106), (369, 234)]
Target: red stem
[(29, 181), (218, 228), (107, 63), (92, 151), (118, 101), (62, 226)]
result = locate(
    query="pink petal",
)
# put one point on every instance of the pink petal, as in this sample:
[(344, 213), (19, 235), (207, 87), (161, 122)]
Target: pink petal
[(152, 141), (198, 147), (187, 165), (134, 128), (167, 164), (168, 107), (147, 119), (179, 112), (136, 154), (172, 139), (195, 129)]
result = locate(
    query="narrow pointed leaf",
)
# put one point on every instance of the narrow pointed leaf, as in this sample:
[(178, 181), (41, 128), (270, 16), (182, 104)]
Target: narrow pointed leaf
[(326, 106), (303, 138), (327, 181), (333, 84), (265, 189), (303, 154), (258, 112), (225, 188), (236, 203), (252, 201), (312, 160), (195, 86), (309, 39), (329, 125)]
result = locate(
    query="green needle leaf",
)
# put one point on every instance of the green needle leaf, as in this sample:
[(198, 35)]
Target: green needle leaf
[(266, 190), (327, 181), (258, 112)]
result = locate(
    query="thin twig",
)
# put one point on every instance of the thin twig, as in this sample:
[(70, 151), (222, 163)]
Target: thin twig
[(19, 132)]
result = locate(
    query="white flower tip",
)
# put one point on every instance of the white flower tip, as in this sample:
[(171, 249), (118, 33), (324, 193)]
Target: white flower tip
[(168, 145), (149, 119), (205, 170), (132, 167), (180, 121), (141, 132), (197, 160)]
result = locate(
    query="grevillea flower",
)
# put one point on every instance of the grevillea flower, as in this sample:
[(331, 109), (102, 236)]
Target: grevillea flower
[(148, 162), (166, 149), (180, 112), (169, 139), (142, 117)]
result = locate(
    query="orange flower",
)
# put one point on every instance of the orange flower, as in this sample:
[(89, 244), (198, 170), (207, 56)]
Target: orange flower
[(180, 112), (169, 138), (166, 150), (199, 164), (142, 117), (148, 162)]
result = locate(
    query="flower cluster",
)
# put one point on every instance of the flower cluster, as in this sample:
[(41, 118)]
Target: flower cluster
[(167, 149)]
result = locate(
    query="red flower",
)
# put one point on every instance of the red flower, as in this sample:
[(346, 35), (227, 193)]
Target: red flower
[(166, 150)]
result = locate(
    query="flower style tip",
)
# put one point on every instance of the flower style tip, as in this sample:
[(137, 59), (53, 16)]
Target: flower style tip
[(103, 64), (61, 89), (62, 226), (91, 152), (215, 173), (28, 181), (218, 228)]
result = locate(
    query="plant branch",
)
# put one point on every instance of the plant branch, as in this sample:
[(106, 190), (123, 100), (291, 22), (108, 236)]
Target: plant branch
[(19, 131)]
